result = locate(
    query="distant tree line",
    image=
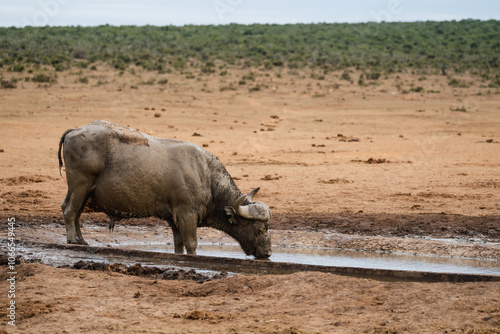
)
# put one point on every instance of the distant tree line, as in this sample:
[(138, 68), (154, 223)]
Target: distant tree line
[(468, 45)]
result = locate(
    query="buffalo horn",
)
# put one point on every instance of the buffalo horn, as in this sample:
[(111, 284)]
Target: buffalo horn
[(254, 211), (252, 194)]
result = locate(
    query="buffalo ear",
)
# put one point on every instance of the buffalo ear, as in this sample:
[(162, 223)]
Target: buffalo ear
[(230, 212)]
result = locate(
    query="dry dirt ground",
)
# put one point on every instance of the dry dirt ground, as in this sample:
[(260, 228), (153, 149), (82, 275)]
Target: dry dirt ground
[(328, 155)]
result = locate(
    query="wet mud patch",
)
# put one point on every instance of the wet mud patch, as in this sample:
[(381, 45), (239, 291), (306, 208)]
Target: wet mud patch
[(336, 181), (433, 225), (149, 272), (25, 179), (212, 317), (29, 308), (24, 197)]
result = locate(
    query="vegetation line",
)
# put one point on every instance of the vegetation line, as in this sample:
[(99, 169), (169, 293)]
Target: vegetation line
[(455, 47)]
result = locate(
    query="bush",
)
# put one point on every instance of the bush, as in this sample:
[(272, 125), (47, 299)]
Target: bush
[(8, 84), (278, 63), (345, 76), (418, 89), (17, 68), (373, 76), (495, 83), (256, 88), (119, 64), (361, 80), (208, 68), (149, 82), (458, 83), (40, 77), (82, 64), (249, 76)]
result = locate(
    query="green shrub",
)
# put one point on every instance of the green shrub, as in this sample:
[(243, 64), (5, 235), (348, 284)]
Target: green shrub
[(255, 88), (41, 78), (418, 89), (249, 76), (458, 83), (149, 82), (8, 84), (345, 76), (17, 68), (361, 80), (208, 67), (82, 64), (119, 64), (373, 75), (278, 62)]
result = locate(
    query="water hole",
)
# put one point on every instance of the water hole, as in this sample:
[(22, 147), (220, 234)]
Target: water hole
[(314, 256)]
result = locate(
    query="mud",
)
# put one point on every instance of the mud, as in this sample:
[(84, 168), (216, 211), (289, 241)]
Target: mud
[(149, 272), (439, 225)]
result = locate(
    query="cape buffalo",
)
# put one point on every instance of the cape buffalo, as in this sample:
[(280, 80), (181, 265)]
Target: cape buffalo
[(132, 174)]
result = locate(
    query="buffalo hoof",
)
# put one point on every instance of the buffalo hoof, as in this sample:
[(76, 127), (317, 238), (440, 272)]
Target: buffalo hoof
[(78, 242)]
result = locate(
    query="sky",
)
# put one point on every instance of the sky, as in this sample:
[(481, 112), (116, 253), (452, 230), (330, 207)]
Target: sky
[(22, 13)]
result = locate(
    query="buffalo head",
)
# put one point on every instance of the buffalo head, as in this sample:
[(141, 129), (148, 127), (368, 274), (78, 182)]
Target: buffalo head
[(251, 221)]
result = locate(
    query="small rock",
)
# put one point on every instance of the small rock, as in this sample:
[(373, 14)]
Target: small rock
[(157, 115)]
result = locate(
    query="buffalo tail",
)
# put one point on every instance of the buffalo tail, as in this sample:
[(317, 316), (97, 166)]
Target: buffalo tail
[(60, 147)]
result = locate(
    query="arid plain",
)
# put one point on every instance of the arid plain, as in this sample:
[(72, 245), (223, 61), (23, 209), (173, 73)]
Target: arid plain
[(393, 160)]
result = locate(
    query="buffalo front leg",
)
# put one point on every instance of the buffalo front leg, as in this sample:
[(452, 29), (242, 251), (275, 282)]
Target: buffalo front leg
[(178, 243), (187, 228)]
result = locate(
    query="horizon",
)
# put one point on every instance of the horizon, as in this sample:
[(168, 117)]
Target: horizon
[(92, 13)]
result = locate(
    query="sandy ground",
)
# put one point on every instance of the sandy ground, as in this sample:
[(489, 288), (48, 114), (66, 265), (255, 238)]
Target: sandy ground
[(328, 155)]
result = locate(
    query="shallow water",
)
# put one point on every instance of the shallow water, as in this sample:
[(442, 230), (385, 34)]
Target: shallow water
[(339, 258), (323, 257)]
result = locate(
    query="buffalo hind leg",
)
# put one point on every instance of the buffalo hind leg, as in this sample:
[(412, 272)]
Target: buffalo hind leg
[(72, 208), (178, 243), (188, 224)]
